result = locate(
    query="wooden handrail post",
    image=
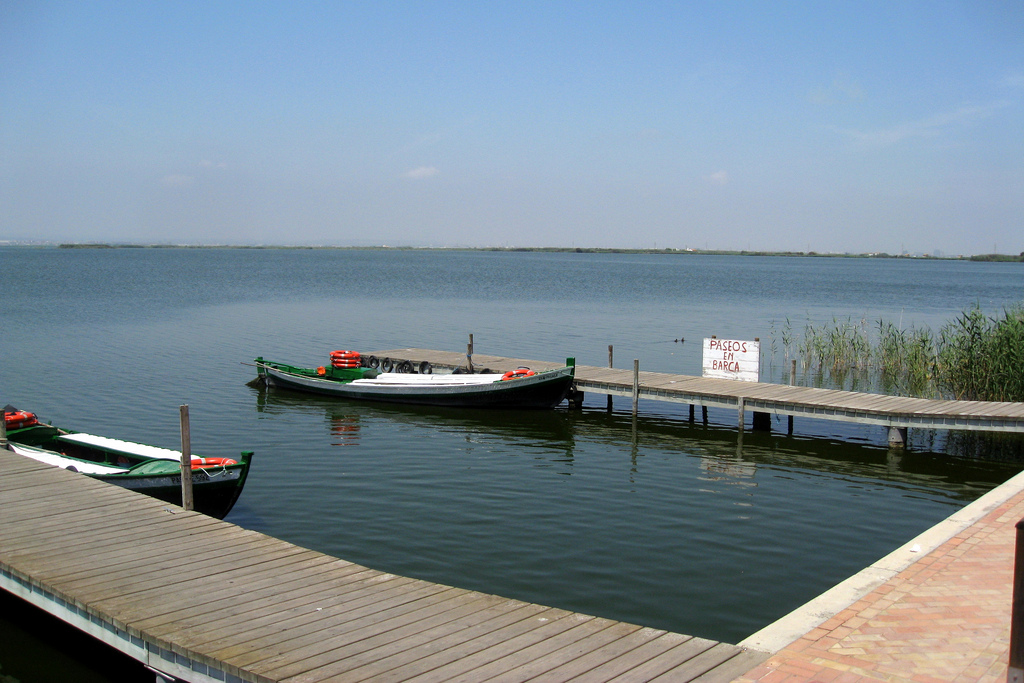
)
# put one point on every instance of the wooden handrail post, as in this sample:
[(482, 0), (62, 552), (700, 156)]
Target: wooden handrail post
[(1015, 672), (187, 501), (609, 365), (469, 353), (636, 384)]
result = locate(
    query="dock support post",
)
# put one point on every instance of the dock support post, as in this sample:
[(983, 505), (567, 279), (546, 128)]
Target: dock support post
[(897, 437), (636, 384), (704, 414), (691, 413), (187, 501), (1015, 672), (609, 365), (575, 398), (792, 381), (469, 354), (741, 409)]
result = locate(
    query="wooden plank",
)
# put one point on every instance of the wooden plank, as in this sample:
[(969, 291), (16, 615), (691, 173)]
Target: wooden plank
[(376, 640), (290, 611), (666, 661), (633, 659), (528, 664), (301, 578), (388, 636), (699, 665), (307, 641), (492, 646), (116, 590), (122, 554), (433, 643), (627, 641)]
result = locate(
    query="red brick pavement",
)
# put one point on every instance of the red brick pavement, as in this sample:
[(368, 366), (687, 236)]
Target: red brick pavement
[(943, 619)]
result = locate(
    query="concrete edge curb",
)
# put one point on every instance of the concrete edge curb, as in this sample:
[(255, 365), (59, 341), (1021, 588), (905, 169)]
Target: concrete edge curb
[(812, 614)]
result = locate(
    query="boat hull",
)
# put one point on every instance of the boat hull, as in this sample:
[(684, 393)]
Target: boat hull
[(214, 492), (215, 489), (543, 390)]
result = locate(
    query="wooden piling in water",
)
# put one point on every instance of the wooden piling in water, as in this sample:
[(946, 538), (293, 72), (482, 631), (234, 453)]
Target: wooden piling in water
[(187, 501), (636, 384), (609, 366)]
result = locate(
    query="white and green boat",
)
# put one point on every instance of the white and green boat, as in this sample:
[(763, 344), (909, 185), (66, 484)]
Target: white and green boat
[(346, 378), (216, 482)]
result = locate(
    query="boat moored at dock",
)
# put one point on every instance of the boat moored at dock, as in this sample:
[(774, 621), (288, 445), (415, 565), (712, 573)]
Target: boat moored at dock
[(216, 482), (346, 377)]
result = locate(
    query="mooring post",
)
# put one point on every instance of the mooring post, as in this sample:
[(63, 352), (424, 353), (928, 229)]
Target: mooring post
[(186, 461), (636, 384), (792, 382), (1015, 672), (897, 437), (469, 354), (609, 365), (3, 433), (741, 411)]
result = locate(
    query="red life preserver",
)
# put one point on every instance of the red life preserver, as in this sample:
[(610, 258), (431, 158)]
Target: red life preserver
[(19, 419), (517, 373), (345, 359), (212, 462)]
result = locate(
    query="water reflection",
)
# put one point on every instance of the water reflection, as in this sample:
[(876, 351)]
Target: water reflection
[(721, 450)]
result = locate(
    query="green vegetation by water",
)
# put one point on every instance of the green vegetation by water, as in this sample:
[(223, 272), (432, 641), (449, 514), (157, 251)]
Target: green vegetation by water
[(973, 357)]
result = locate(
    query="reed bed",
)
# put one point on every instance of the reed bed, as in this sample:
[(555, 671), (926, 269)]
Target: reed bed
[(974, 357)]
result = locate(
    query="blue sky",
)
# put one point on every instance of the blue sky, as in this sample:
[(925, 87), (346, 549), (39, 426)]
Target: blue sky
[(831, 126)]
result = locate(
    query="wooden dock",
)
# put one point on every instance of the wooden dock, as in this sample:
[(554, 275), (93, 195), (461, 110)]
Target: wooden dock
[(895, 412), (203, 600)]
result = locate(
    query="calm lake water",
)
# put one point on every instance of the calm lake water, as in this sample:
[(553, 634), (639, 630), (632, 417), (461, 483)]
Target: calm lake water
[(653, 520)]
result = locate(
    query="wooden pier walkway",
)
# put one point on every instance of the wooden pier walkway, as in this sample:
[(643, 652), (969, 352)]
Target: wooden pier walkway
[(203, 600), (895, 412)]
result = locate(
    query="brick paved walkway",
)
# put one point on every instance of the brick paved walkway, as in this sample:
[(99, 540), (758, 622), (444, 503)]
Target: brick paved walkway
[(945, 618)]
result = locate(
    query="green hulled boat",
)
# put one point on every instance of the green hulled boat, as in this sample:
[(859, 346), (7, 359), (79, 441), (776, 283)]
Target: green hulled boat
[(345, 377), (216, 482)]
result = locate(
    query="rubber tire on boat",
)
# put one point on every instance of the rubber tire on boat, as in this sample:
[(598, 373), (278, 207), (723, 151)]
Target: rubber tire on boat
[(371, 362), (424, 368), (386, 365), (405, 366)]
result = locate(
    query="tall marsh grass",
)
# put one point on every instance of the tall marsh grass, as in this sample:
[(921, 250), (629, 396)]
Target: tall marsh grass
[(974, 357)]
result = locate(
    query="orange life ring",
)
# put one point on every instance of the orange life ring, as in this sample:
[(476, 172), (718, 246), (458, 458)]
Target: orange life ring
[(19, 419), (346, 355), (345, 363), (517, 373), (212, 462)]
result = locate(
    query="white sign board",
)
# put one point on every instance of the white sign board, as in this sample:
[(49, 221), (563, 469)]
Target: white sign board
[(732, 359)]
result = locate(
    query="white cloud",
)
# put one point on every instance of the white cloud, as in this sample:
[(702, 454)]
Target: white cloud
[(177, 180), (719, 177), (421, 172), (930, 127), (1013, 80), (841, 89)]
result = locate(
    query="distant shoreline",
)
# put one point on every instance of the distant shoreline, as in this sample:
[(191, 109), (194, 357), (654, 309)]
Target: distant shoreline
[(577, 250)]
